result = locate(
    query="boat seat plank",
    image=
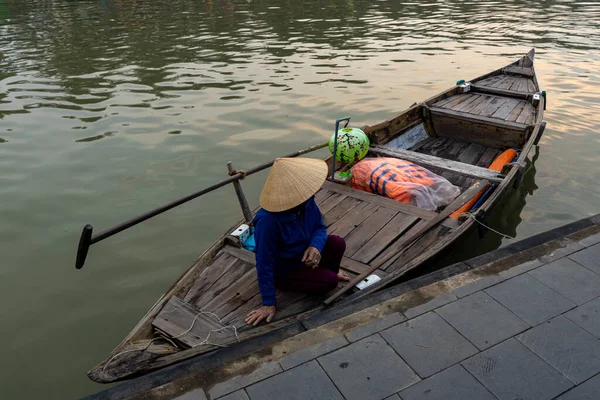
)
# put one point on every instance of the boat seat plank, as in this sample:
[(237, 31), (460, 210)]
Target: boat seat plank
[(390, 232), (499, 92), (518, 126), (367, 229), (177, 317), (441, 163)]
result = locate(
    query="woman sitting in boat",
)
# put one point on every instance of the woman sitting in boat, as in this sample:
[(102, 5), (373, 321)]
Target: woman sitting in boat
[(293, 250)]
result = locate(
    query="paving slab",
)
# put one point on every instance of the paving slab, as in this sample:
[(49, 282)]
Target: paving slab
[(430, 305), (196, 394), (368, 369), (530, 299), (239, 395), (452, 383), (567, 347), (428, 344), (587, 316), (589, 390), (482, 320), (589, 258), (477, 285), (305, 382), (561, 252), (511, 371), (590, 240), (310, 353), (238, 382), (375, 326), (570, 279), (520, 269)]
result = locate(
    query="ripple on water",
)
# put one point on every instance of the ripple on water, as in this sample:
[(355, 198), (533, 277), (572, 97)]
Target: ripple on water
[(173, 98)]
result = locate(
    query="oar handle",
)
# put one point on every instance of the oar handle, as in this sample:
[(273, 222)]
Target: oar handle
[(85, 242), (87, 239)]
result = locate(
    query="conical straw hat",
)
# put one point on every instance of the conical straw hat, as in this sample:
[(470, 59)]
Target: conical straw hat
[(291, 182)]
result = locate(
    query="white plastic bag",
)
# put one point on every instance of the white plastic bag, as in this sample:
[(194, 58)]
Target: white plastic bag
[(403, 181)]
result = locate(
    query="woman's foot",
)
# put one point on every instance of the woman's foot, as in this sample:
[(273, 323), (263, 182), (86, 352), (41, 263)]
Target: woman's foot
[(342, 276)]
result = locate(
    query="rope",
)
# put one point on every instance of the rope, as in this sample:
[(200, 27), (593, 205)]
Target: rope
[(484, 225), (242, 172), (202, 343)]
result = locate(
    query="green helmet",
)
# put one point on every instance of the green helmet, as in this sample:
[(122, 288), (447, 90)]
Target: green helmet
[(353, 145)]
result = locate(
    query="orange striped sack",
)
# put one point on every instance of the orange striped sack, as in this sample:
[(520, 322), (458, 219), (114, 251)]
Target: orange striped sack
[(403, 181)]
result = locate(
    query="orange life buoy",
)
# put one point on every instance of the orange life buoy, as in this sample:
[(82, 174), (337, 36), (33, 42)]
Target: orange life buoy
[(499, 163)]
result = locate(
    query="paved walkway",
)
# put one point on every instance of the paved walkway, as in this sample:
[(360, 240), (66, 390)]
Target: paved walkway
[(529, 332)]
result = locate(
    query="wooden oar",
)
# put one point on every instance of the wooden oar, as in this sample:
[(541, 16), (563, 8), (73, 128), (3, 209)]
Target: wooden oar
[(455, 205)]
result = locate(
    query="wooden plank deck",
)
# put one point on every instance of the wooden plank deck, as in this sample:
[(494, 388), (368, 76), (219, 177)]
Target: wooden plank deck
[(228, 288), (490, 107)]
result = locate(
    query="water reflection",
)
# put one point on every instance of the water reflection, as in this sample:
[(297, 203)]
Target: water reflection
[(109, 108)]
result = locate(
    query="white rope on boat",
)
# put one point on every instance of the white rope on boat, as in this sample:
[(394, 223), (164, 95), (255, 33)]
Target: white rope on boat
[(202, 343), (484, 225)]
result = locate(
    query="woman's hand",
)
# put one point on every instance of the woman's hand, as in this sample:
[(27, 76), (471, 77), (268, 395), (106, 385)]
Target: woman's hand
[(311, 257), (254, 317)]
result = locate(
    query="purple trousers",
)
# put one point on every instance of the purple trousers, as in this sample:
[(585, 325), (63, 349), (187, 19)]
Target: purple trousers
[(316, 280)]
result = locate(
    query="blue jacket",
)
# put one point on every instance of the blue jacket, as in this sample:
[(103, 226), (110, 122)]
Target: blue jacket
[(281, 240)]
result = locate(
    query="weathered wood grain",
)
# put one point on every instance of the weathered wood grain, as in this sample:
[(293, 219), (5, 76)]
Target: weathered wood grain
[(331, 202), (504, 110), (514, 114), (493, 106), (420, 246), (368, 228), (382, 239), (352, 219), (234, 273), (376, 200), (441, 163), (340, 210), (177, 317), (522, 71), (221, 264)]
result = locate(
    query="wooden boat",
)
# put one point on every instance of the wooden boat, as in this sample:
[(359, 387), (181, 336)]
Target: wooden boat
[(457, 133)]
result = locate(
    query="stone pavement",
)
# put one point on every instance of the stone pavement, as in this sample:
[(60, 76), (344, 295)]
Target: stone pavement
[(528, 332)]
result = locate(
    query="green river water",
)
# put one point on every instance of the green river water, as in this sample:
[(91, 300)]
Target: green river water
[(110, 108)]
